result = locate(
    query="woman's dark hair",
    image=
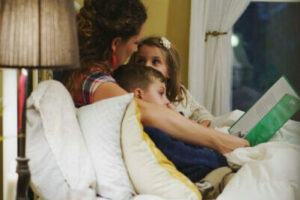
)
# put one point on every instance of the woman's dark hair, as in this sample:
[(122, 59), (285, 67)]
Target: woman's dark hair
[(98, 23), (175, 91)]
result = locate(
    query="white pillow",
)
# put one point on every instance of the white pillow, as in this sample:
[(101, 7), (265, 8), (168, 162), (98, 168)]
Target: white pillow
[(147, 197), (59, 162), (150, 171), (100, 123)]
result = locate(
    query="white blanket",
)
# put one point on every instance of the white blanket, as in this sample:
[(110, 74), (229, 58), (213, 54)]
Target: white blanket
[(270, 171)]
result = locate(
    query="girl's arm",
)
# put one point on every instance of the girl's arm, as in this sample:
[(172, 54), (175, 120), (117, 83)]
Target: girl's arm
[(174, 124), (205, 123), (193, 110)]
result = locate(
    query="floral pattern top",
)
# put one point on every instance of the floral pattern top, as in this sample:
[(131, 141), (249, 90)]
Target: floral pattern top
[(191, 109)]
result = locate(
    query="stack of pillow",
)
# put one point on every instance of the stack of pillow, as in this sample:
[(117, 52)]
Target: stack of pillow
[(98, 149)]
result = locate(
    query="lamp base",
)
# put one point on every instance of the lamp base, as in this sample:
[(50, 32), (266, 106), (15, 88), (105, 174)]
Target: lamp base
[(23, 178)]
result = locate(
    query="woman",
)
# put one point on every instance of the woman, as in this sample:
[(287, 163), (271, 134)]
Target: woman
[(109, 32)]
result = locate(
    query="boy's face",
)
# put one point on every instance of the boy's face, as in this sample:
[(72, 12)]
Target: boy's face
[(156, 93)]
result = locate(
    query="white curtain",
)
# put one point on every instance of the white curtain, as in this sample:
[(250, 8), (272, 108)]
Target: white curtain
[(210, 62)]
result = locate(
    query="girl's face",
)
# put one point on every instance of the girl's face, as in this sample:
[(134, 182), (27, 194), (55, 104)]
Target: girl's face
[(152, 56), (126, 48)]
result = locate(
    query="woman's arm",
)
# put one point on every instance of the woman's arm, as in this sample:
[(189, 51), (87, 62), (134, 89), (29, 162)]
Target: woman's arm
[(175, 124), (187, 130), (108, 90)]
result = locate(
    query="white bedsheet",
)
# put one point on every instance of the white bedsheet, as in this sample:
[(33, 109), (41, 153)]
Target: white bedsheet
[(270, 171)]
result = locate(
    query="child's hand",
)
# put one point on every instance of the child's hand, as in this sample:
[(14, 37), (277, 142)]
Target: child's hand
[(206, 123), (171, 107)]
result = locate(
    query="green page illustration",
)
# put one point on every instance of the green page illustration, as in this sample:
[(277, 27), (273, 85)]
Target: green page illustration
[(272, 122)]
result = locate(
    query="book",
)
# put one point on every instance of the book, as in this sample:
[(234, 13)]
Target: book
[(268, 114)]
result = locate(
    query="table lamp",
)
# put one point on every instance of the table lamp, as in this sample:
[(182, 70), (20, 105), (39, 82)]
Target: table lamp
[(35, 34)]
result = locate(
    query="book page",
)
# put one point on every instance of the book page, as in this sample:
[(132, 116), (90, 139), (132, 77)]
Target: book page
[(262, 107)]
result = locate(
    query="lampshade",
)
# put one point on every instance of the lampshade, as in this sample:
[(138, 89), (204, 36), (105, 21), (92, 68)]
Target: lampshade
[(38, 34)]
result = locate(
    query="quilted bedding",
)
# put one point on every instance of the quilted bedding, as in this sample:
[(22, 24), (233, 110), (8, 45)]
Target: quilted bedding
[(270, 171)]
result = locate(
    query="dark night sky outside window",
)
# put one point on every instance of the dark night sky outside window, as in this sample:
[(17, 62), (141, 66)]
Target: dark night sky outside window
[(268, 47)]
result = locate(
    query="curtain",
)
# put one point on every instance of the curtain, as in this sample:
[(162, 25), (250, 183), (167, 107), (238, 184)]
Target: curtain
[(210, 62)]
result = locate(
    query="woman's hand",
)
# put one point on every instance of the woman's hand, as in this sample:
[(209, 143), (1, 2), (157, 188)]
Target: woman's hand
[(228, 143)]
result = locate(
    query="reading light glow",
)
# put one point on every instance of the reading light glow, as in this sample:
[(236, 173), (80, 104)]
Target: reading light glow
[(234, 40)]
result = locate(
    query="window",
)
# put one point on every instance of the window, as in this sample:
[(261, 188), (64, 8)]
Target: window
[(266, 45)]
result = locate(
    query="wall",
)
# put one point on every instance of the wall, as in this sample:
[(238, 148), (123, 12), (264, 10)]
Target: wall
[(178, 32), (157, 21), (80, 2)]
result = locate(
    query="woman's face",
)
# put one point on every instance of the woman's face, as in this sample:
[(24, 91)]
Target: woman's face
[(154, 57), (127, 47)]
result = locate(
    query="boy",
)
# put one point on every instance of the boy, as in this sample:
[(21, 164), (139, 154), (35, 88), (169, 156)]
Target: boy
[(195, 162), (149, 85)]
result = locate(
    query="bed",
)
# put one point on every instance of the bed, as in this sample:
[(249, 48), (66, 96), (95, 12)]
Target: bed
[(87, 154)]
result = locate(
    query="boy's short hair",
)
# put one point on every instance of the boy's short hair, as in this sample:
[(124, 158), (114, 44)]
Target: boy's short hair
[(132, 76)]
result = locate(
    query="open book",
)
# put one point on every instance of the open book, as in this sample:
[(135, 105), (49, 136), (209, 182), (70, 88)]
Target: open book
[(268, 114)]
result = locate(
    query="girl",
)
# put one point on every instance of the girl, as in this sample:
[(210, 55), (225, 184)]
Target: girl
[(157, 52), (108, 33)]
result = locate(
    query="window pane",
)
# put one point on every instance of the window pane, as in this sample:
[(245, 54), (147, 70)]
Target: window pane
[(266, 45)]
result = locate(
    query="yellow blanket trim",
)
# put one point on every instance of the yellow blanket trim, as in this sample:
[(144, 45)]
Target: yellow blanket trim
[(163, 160)]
